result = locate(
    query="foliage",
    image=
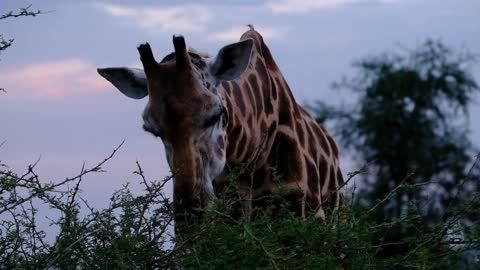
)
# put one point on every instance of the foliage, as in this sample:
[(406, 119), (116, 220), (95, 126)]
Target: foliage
[(134, 232), (411, 125)]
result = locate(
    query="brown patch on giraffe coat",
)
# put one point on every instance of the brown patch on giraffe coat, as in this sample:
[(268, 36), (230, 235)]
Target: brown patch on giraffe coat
[(284, 113), (279, 85), (234, 134), (288, 157), (263, 126), (300, 132), (322, 171), (238, 97), (321, 138), (226, 87), (274, 88), (229, 113), (251, 99), (251, 148), (236, 120), (272, 129), (339, 176), (311, 141), (286, 89), (313, 178), (252, 79), (332, 177), (250, 121), (241, 144), (332, 144), (338, 194), (271, 65), (312, 203), (266, 87)]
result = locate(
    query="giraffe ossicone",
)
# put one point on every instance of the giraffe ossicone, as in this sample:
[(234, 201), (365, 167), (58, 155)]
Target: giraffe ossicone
[(233, 110)]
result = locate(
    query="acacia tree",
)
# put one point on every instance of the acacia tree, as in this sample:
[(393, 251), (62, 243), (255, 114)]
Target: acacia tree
[(411, 125)]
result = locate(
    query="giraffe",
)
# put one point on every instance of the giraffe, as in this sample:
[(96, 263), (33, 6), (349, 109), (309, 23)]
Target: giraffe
[(233, 110)]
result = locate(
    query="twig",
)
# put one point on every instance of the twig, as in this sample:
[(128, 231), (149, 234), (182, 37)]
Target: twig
[(24, 12), (69, 247), (351, 175), (391, 192), (50, 187), (270, 256), (140, 172)]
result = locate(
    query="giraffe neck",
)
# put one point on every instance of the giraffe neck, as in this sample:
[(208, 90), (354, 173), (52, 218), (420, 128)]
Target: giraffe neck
[(257, 103), (267, 130)]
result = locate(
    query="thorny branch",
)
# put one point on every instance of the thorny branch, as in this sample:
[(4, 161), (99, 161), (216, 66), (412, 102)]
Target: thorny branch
[(152, 217), (143, 223), (38, 189), (24, 12), (389, 195)]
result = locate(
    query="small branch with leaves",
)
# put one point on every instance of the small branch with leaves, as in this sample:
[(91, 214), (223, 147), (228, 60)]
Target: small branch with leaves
[(23, 12)]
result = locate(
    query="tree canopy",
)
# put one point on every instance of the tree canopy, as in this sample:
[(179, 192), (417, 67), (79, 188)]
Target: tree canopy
[(410, 124)]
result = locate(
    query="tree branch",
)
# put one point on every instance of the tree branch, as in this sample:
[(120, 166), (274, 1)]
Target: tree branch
[(24, 12)]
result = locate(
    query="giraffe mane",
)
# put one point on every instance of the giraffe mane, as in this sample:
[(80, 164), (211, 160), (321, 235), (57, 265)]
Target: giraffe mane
[(202, 54)]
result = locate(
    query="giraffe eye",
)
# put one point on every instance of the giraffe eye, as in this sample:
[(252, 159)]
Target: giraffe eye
[(214, 119)]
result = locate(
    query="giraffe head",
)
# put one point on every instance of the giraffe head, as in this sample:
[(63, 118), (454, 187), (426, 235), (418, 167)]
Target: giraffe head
[(185, 110)]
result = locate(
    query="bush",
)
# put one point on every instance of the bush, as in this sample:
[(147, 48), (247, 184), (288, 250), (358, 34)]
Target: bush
[(135, 232)]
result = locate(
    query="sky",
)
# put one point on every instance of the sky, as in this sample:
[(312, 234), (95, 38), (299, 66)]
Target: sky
[(57, 108)]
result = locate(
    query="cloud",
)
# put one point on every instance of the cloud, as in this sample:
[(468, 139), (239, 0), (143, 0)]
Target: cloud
[(66, 77), (179, 18), (302, 6), (233, 34)]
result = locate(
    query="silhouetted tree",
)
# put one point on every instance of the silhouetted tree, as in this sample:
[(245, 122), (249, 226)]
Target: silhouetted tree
[(411, 125)]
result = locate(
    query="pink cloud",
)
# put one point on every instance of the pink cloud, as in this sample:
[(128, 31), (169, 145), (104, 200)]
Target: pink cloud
[(61, 78)]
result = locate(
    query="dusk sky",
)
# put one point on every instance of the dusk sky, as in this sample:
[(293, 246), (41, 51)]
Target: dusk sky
[(58, 108)]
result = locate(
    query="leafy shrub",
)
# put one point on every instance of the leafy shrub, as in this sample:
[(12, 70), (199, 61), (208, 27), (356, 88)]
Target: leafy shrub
[(135, 232)]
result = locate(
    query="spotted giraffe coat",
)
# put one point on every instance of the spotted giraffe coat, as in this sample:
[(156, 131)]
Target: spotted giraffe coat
[(263, 131), (270, 133)]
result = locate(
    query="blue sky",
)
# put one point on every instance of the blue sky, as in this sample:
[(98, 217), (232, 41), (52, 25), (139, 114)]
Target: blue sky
[(59, 109)]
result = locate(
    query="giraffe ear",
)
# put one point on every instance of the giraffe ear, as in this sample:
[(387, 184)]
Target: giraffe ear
[(132, 82), (232, 60)]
